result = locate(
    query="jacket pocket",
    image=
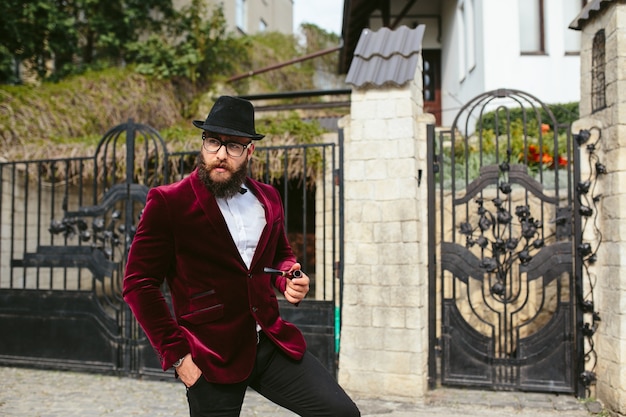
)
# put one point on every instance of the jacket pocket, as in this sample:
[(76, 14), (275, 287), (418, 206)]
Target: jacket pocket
[(205, 315)]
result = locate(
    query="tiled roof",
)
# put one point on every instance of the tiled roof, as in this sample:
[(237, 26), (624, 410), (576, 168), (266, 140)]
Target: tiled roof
[(591, 9), (386, 56)]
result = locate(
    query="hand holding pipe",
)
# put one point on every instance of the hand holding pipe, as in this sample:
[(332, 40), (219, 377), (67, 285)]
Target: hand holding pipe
[(295, 274)]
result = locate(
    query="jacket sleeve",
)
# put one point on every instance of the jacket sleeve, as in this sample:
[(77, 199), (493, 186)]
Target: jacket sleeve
[(149, 260)]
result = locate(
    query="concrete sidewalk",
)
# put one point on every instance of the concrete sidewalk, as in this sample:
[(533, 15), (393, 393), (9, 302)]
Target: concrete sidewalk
[(41, 393)]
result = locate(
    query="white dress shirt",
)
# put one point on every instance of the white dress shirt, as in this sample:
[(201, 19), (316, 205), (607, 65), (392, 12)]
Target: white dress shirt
[(245, 217)]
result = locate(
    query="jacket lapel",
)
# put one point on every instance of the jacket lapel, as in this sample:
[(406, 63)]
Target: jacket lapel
[(209, 206), (211, 210)]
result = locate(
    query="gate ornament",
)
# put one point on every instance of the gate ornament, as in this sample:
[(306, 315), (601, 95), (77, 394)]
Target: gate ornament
[(494, 233), (105, 238), (587, 253), (70, 221), (509, 259), (99, 257), (112, 225)]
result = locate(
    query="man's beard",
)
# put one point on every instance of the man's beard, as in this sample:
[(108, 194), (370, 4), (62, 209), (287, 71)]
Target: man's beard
[(221, 189)]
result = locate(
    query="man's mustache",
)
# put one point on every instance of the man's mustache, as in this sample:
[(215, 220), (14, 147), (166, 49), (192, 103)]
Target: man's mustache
[(214, 165)]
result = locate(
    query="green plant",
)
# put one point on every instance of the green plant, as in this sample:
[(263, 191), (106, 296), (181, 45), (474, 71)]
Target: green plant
[(530, 135), (518, 141), (286, 133), (190, 47), (54, 39), (564, 113)]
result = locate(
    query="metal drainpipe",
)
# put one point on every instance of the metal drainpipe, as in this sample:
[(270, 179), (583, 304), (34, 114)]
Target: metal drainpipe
[(284, 64)]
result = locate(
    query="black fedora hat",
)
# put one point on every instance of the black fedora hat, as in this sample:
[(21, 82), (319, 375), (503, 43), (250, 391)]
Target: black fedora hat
[(232, 116)]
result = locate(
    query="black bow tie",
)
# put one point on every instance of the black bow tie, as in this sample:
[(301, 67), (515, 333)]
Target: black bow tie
[(242, 190)]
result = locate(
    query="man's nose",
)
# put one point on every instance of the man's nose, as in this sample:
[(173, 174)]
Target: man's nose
[(221, 152)]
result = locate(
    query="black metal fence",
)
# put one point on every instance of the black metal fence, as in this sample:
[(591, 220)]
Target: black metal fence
[(504, 281), (66, 225)]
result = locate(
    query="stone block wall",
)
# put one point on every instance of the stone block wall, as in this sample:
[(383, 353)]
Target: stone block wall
[(609, 272), (384, 338)]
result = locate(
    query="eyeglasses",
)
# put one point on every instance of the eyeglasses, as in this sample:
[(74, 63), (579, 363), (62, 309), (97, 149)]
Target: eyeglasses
[(213, 145)]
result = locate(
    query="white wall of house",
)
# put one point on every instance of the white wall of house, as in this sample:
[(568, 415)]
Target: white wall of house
[(497, 61)]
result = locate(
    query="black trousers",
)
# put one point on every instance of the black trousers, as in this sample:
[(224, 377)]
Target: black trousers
[(304, 387)]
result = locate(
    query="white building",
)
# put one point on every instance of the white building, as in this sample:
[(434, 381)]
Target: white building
[(473, 46), (252, 16)]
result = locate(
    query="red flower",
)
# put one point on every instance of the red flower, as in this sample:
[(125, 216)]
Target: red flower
[(533, 153), (547, 159), (535, 157)]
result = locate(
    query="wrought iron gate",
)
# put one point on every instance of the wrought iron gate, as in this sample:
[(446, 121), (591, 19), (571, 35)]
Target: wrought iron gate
[(502, 226), (67, 225)]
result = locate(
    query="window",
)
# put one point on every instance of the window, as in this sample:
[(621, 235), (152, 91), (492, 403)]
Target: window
[(262, 25), (469, 35), (467, 48), (461, 42), (241, 14), (571, 9), (598, 80), (531, 26)]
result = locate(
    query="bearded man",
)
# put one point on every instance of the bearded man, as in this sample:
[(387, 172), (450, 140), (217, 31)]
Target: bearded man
[(210, 236)]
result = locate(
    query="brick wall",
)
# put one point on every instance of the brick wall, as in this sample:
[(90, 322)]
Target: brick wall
[(609, 272), (384, 339)]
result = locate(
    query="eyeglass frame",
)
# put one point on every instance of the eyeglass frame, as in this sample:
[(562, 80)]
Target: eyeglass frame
[(223, 143)]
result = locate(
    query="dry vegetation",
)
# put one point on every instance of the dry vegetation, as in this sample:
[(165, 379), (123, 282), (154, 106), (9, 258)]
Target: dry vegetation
[(63, 119), (69, 119)]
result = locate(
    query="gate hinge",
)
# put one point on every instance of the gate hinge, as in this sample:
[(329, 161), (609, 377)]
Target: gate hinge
[(435, 164)]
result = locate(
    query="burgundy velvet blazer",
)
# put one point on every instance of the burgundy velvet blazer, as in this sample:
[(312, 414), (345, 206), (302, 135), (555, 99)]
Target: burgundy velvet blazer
[(183, 238)]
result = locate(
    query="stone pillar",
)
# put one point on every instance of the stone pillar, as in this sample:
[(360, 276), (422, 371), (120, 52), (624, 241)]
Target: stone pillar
[(609, 272), (384, 338)]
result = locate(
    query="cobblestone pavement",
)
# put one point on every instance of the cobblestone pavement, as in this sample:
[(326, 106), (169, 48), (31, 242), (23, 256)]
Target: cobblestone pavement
[(43, 393)]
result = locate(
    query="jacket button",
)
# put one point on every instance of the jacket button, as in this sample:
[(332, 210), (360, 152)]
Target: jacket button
[(250, 276), (254, 309)]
